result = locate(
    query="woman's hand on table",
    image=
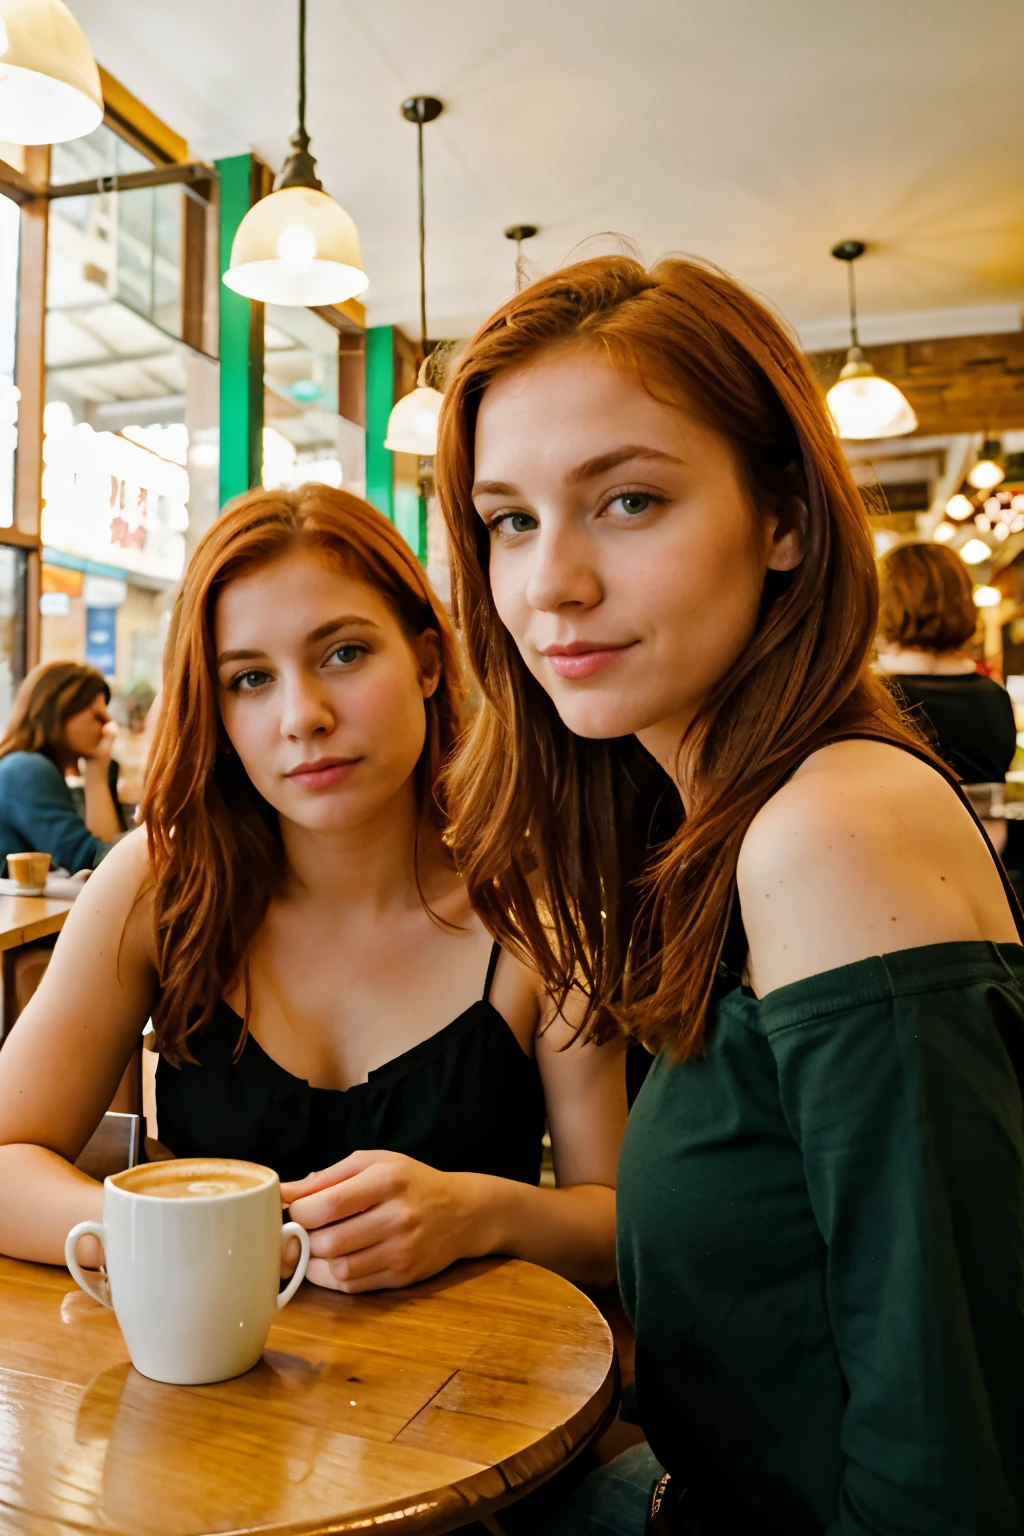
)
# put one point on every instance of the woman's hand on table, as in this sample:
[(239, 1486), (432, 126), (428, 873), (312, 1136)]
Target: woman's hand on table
[(380, 1220)]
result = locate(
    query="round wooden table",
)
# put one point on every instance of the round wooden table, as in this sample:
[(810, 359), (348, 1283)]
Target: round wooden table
[(418, 1410)]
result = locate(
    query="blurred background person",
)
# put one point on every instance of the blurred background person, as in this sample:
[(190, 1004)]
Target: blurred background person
[(927, 618), (59, 725)]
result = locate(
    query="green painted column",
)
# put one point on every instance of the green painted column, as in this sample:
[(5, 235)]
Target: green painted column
[(380, 397), (241, 344)]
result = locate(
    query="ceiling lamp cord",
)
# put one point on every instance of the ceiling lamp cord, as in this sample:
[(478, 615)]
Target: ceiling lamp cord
[(412, 424), (302, 74), (519, 233), (852, 291), (423, 238)]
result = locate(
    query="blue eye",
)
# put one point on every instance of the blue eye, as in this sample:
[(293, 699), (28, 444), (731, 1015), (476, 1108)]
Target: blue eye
[(347, 654), (509, 523), (634, 502), (249, 682)]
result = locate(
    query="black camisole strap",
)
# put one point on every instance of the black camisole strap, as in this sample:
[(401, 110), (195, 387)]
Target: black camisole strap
[(492, 966)]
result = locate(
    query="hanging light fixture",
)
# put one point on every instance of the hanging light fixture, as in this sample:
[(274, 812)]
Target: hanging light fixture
[(297, 246), (412, 425), (990, 470), (863, 406), (519, 233), (975, 551), (959, 507), (49, 84)]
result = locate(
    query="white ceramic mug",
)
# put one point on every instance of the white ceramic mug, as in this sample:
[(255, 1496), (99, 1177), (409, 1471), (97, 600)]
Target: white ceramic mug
[(192, 1263)]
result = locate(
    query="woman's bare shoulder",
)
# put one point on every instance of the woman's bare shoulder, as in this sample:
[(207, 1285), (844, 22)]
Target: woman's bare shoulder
[(865, 850), (118, 894)]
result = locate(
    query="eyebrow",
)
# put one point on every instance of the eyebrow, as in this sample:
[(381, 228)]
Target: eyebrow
[(588, 470), (321, 632)]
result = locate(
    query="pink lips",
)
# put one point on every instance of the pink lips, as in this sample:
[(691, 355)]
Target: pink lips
[(582, 659), (322, 774)]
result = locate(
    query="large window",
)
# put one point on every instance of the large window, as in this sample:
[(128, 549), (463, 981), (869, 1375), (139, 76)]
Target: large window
[(10, 223), (304, 436), (130, 447), (12, 625)]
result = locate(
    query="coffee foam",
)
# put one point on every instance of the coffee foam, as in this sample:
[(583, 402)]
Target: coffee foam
[(194, 1178)]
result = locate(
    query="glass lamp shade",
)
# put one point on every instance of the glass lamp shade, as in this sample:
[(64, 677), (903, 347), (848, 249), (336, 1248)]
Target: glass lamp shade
[(298, 247), (975, 551), (49, 83), (412, 425), (863, 406), (959, 506), (985, 474), (987, 597)]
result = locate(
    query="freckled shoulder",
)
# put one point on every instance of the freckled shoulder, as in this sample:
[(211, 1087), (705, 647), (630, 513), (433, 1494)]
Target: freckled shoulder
[(864, 851)]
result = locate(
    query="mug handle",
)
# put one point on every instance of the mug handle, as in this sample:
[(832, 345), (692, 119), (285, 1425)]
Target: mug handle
[(290, 1229), (95, 1285)]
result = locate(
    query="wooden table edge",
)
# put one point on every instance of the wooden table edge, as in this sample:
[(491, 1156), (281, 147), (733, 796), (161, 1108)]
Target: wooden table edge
[(585, 1426)]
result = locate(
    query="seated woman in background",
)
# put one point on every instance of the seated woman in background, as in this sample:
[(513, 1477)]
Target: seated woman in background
[(59, 721), (323, 999), (927, 617)]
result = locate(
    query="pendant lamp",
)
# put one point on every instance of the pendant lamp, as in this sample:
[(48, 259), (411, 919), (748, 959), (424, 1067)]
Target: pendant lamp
[(989, 471), (412, 425), (519, 233), (297, 246), (863, 406), (49, 84)]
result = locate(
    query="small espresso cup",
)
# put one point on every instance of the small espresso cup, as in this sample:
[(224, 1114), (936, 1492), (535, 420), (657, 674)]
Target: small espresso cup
[(29, 870), (192, 1262)]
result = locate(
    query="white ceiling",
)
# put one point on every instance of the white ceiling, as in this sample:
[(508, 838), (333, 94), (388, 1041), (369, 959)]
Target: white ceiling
[(753, 132)]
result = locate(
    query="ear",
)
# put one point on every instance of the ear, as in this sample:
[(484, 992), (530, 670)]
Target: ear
[(427, 650), (788, 524)]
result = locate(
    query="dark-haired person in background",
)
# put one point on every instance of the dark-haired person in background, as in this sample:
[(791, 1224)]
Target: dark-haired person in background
[(59, 721), (927, 617)]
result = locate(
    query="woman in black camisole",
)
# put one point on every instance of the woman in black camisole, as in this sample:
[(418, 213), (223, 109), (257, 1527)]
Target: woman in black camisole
[(323, 998)]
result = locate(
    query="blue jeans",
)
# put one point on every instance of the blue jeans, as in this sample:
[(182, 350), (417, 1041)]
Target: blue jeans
[(612, 1501)]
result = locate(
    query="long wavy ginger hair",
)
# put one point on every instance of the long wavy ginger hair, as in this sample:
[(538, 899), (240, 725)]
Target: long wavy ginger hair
[(215, 848), (575, 852)]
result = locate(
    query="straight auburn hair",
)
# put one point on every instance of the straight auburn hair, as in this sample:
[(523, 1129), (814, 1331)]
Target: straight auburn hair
[(216, 856), (575, 851)]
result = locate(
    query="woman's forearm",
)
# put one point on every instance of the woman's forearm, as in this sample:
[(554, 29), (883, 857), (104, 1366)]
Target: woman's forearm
[(42, 1198), (100, 811), (571, 1231)]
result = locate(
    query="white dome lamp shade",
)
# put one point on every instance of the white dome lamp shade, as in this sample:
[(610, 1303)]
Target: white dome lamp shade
[(297, 246), (862, 405), (412, 425), (989, 470), (49, 84)]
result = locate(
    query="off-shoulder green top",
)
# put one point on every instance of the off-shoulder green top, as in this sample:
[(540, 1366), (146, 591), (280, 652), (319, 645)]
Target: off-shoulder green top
[(821, 1248)]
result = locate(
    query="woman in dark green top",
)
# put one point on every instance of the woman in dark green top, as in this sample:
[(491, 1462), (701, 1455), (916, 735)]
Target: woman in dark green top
[(687, 795)]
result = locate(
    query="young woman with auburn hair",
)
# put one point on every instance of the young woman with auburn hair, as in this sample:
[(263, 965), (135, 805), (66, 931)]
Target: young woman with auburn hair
[(323, 998), (686, 793)]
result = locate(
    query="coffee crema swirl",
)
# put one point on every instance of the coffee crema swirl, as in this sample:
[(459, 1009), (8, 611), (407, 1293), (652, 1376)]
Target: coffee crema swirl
[(194, 1178)]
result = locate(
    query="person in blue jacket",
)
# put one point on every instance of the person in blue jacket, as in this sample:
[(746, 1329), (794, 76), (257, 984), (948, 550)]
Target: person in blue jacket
[(59, 723)]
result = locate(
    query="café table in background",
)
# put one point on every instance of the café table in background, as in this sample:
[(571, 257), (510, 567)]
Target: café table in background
[(24, 920), (403, 1411)]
